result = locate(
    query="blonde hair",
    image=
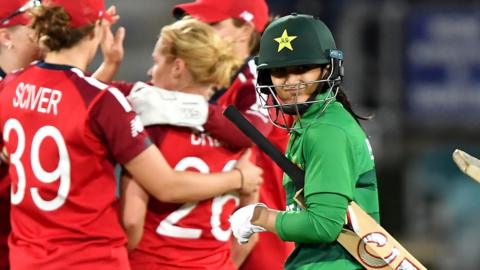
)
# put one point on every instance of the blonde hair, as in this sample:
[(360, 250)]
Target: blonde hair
[(208, 58)]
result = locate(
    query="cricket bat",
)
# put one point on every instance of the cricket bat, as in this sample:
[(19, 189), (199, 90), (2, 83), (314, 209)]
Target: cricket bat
[(468, 164), (370, 244)]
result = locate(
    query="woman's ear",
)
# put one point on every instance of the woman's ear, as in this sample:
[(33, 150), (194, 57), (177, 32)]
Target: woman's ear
[(246, 30), (5, 38), (179, 68)]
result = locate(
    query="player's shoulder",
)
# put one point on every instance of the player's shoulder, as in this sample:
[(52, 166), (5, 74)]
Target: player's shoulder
[(94, 90), (6, 78), (79, 78)]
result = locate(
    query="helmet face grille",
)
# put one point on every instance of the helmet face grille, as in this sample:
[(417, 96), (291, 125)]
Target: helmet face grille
[(278, 110)]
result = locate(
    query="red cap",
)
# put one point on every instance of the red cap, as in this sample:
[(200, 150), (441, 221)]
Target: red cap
[(82, 12), (211, 11), (12, 13)]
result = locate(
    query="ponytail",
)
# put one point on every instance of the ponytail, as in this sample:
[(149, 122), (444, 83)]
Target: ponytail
[(209, 59), (343, 99)]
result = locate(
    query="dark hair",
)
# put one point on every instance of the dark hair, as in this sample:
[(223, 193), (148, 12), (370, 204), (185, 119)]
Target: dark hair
[(52, 30), (342, 98)]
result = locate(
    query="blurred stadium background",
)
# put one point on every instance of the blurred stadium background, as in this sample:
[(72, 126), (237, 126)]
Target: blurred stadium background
[(415, 65)]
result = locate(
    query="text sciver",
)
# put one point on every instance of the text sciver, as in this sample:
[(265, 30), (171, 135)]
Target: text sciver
[(30, 97)]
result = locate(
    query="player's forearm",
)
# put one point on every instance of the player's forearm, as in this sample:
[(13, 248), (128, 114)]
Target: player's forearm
[(154, 174), (320, 222), (222, 129), (133, 202), (196, 187), (134, 236), (106, 71), (265, 217), (225, 131)]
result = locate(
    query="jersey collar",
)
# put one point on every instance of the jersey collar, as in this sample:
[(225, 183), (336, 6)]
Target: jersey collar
[(42, 64)]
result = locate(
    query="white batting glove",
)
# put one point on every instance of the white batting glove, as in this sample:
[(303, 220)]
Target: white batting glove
[(157, 106), (241, 225), (468, 164)]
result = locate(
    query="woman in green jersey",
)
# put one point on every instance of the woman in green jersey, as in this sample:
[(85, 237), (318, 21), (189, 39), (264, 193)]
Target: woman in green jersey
[(300, 74)]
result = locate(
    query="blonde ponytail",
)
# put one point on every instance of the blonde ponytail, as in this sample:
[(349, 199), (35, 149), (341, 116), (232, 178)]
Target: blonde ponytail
[(208, 58)]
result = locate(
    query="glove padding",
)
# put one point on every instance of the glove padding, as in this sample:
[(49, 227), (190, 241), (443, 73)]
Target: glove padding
[(467, 163), (157, 106), (241, 225)]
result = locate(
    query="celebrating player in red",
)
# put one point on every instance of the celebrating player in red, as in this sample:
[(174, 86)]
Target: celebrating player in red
[(17, 50), (188, 57), (63, 132), (241, 23)]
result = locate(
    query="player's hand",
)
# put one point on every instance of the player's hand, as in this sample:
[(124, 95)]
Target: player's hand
[(467, 163), (251, 174), (240, 222), (112, 45)]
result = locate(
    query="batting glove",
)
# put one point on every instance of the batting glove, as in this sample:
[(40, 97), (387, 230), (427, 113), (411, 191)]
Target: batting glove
[(468, 164), (157, 106), (240, 222)]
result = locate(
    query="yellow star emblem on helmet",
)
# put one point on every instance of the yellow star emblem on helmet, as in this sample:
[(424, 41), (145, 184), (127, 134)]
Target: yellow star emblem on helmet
[(284, 41)]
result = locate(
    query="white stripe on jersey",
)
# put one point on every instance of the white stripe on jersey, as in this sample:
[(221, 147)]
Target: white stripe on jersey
[(102, 86), (90, 80), (253, 68), (258, 113), (242, 77), (121, 98)]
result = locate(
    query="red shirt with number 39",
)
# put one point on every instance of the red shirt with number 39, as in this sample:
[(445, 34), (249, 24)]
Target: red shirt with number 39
[(64, 131)]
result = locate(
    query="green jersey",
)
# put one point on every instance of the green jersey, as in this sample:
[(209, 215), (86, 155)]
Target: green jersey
[(338, 162)]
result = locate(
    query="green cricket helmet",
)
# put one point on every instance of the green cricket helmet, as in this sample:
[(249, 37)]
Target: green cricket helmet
[(297, 40)]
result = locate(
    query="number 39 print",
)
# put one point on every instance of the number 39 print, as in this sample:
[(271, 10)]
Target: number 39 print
[(60, 173)]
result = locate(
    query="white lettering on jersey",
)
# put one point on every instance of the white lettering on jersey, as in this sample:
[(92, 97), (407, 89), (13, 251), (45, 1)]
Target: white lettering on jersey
[(43, 100), (136, 126), (203, 139), (369, 149)]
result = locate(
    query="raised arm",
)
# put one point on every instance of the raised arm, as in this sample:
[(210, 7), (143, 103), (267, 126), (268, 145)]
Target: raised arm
[(112, 49)]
